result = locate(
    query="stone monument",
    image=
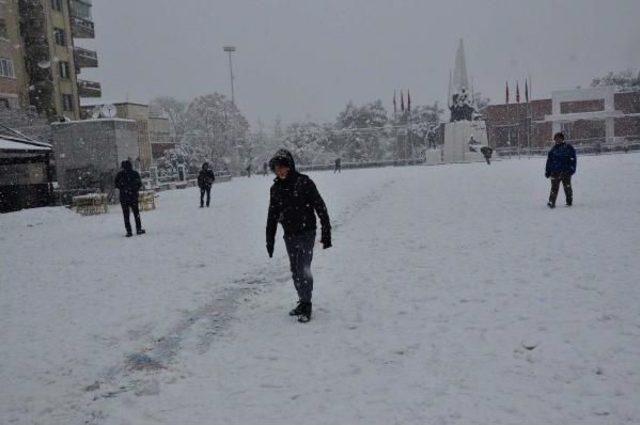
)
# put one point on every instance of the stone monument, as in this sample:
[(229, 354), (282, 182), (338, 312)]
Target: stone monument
[(464, 134)]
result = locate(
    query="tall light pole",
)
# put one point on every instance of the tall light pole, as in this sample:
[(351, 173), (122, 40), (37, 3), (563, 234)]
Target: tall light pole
[(230, 50)]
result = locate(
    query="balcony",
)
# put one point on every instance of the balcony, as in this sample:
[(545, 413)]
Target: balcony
[(80, 8), (85, 58), (82, 28), (89, 89)]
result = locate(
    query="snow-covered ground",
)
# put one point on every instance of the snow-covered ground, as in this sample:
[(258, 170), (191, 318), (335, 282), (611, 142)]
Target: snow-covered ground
[(452, 296)]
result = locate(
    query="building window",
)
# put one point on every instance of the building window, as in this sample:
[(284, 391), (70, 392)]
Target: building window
[(56, 5), (3, 29), (80, 10), (6, 68), (60, 37), (67, 102), (64, 70)]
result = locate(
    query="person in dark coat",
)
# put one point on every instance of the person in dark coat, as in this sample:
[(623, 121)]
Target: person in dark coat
[(561, 165), (294, 203), (206, 177), (486, 152), (129, 183), (265, 168), (338, 166)]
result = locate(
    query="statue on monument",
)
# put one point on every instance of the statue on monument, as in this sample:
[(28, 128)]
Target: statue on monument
[(461, 109), (466, 134), (460, 101)]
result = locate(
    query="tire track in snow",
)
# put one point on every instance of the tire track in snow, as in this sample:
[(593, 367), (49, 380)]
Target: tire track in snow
[(139, 372)]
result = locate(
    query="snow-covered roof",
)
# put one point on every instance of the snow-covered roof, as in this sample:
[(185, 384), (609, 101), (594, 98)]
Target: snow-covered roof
[(93, 120), (88, 102), (23, 145)]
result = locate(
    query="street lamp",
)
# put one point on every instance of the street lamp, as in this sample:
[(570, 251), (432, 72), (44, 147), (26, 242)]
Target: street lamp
[(230, 50)]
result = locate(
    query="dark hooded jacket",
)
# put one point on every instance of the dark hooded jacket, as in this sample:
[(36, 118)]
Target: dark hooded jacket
[(128, 182), (294, 203), (206, 178), (561, 160)]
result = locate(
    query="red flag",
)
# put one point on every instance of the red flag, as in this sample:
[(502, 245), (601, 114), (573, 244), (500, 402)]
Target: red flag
[(517, 92), (507, 92), (395, 107), (401, 101), (408, 101)]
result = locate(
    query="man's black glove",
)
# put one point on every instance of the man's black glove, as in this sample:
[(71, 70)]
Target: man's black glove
[(270, 249), (326, 238), (546, 175)]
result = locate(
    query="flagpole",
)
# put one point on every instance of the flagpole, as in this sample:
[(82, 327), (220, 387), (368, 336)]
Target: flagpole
[(518, 116), (529, 114)]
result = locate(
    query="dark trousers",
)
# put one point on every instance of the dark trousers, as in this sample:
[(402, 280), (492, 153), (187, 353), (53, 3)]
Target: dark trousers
[(565, 179), (131, 206), (300, 250), (203, 191)]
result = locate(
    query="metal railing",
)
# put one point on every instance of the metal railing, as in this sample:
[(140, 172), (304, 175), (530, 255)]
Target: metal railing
[(85, 58), (82, 28), (586, 146), (89, 88)]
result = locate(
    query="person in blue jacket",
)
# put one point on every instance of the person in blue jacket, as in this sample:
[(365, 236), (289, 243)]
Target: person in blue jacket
[(561, 165)]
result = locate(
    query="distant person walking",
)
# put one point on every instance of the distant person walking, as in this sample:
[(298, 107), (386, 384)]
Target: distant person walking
[(561, 165), (265, 168), (487, 152), (248, 169), (205, 181), (294, 203), (338, 166), (129, 183)]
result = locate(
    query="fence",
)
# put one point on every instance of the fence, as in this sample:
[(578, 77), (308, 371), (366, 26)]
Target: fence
[(594, 146)]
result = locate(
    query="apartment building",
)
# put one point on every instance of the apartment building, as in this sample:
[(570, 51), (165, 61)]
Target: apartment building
[(13, 82), (46, 64)]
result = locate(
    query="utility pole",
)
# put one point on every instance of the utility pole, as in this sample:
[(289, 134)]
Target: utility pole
[(230, 50)]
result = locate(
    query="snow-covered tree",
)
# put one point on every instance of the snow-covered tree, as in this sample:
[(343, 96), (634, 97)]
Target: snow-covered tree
[(360, 131), (176, 112), (308, 142), (278, 134), (422, 120), (215, 124), (624, 81), (481, 101)]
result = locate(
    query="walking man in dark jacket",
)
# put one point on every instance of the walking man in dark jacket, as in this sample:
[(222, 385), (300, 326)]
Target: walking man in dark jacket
[(561, 165), (205, 181), (294, 203), (486, 152), (129, 183)]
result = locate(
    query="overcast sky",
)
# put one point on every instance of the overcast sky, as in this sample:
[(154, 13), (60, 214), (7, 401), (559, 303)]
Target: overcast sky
[(304, 59)]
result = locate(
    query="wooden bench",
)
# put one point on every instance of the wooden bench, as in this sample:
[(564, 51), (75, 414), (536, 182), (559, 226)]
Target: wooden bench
[(91, 204), (147, 200)]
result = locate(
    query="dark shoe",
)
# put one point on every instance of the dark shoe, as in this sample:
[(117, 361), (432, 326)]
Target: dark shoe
[(305, 316), (129, 234), (550, 205), (201, 206), (569, 203), (141, 232), (296, 311)]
